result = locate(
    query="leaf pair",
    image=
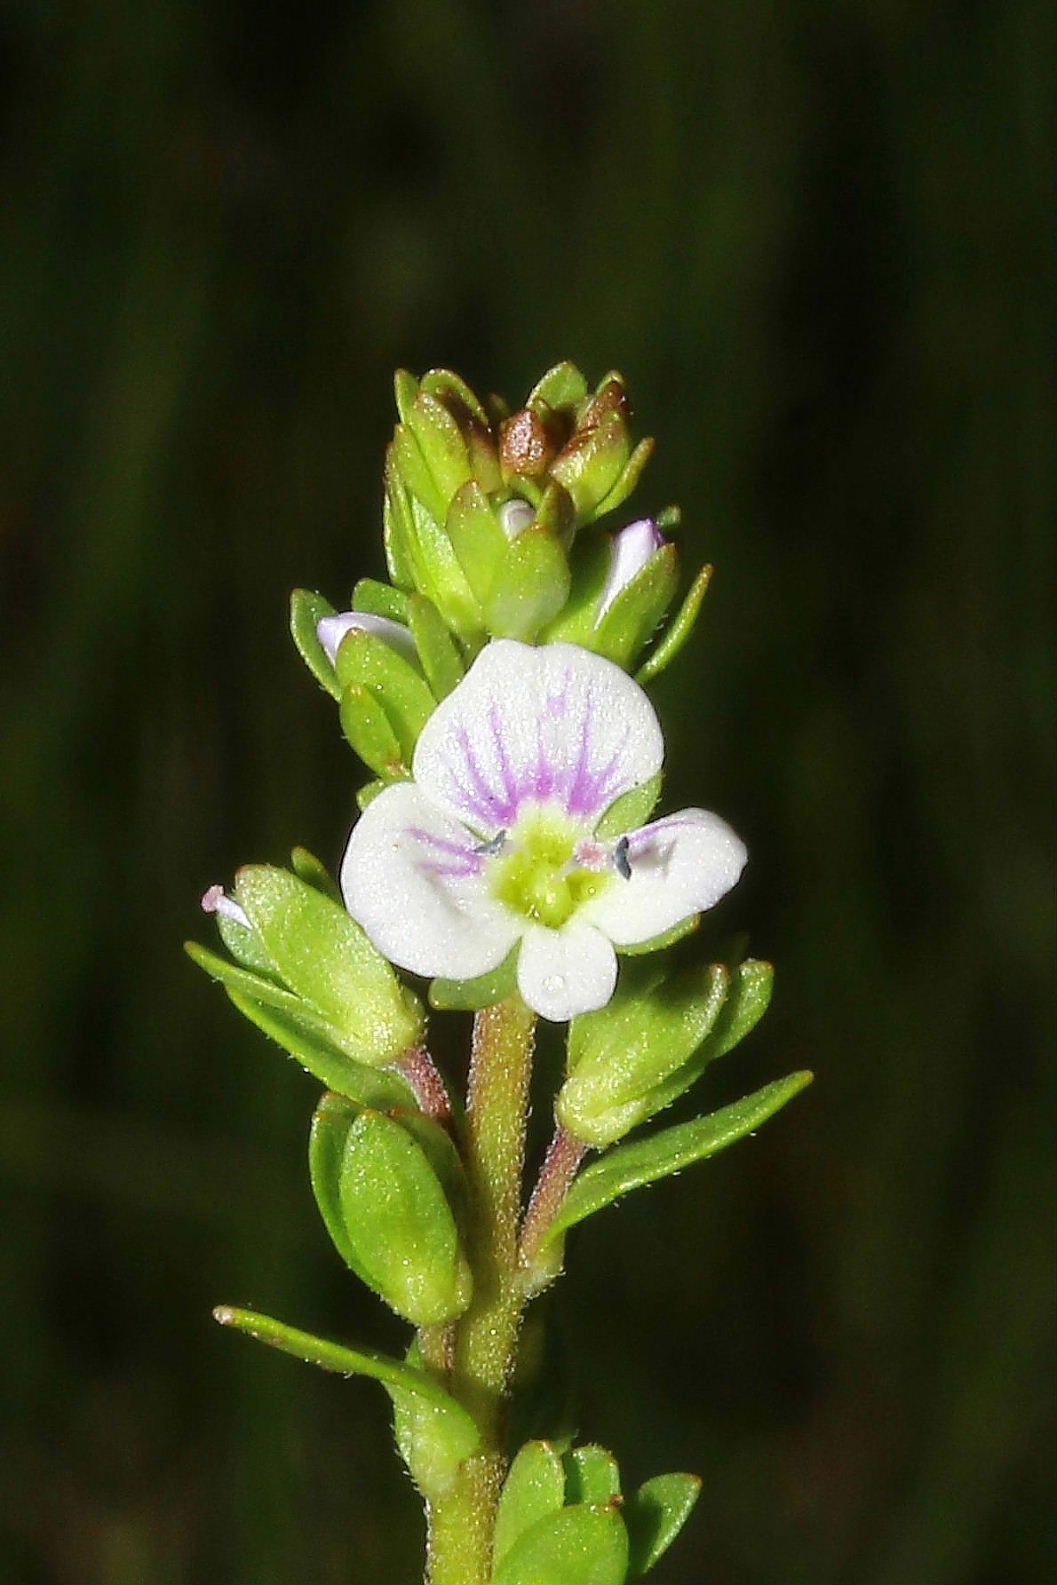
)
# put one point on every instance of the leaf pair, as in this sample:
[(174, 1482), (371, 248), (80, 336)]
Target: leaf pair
[(562, 1521)]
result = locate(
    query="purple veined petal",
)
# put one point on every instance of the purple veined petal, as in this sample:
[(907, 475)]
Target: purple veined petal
[(412, 877), (562, 973), (680, 866), (630, 550), (528, 725), (330, 630)]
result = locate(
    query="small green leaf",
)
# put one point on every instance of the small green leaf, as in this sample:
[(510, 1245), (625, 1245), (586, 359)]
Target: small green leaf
[(534, 1488), (631, 810), (667, 938), (325, 957), (313, 872), (592, 1475), (328, 1135), (442, 445), (380, 599), (364, 660), (398, 1222), (677, 631), (628, 479), (315, 1047), (454, 392), (476, 537), (484, 991), (530, 586), (633, 616), (592, 463), (306, 611), (370, 732), (654, 1516), (630, 1166), (414, 471), (394, 1375), (369, 792), (438, 651), (397, 529), (585, 1545), (562, 386), (405, 389)]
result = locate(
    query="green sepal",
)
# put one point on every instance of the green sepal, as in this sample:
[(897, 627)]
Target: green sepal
[(453, 391), (397, 528), (307, 610), (245, 946), (438, 651), (667, 938), (405, 389), (397, 1223), (369, 792), (592, 463), (441, 577), (327, 1136), (631, 1166), (530, 586), (620, 1054), (476, 537), (555, 512), (631, 810), (463, 996), (367, 661), (588, 568), (592, 1475), (414, 472), (561, 387), (313, 872), (634, 614), (380, 599), (325, 957), (654, 1515), (533, 1489), (438, 1147), (308, 1040), (432, 1443), (583, 1545), (678, 630), (628, 479), (370, 732), (398, 1378), (442, 445)]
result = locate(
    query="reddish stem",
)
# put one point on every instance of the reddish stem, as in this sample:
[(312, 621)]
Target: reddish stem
[(560, 1164), (422, 1074)]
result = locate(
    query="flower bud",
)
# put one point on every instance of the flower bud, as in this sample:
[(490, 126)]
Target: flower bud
[(330, 631)]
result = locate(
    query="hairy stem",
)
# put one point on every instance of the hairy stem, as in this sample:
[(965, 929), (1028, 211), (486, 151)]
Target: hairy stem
[(461, 1521), (560, 1164)]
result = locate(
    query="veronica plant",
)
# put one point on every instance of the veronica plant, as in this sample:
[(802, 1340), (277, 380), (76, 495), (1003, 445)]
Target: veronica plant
[(507, 857)]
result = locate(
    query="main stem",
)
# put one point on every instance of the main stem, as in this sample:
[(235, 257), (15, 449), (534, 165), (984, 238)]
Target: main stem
[(462, 1519)]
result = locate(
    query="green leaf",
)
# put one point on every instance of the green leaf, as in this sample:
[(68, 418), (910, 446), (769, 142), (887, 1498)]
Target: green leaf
[(306, 610), (454, 392), (326, 958), (398, 1223), (309, 1040), (414, 471), (630, 1166), (633, 616), (631, 810), (562, 386), (397, 529), (654, 1516), (534, 1488), (380, 599), (592, 1475), (364, 660), (677, 631), (628, 479), (530, 586), (442, 445), (483, 991), (584, 1545), (328, 1135), (438, 651), (476, 537), (313, 872), (592, 463), (405, 389), (394, 1375), (370, 732), (667, 938)]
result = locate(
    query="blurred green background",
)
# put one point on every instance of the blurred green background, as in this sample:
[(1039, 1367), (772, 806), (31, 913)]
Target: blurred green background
[(811, 237)]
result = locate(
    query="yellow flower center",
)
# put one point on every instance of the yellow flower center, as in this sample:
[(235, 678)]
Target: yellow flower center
[(536, 874)]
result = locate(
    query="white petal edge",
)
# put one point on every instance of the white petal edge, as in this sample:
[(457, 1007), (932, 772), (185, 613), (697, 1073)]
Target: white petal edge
[(330, 630), (562, 973), (555, 724), (680, 866), (420, 918)]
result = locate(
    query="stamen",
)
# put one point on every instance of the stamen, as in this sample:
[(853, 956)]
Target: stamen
[(489, 849), (621, 860)]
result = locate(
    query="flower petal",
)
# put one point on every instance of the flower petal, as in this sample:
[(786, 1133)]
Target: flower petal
[(680, 865), (412, 877), (630, 549), (536, 725), (330, 630), (562, 973)]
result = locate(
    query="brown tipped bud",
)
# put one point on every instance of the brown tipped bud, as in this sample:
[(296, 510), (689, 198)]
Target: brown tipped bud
[(524, 445), (609, 398)]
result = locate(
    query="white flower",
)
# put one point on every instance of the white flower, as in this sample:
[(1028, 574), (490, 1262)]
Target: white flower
[(330, 630), (494, 842)]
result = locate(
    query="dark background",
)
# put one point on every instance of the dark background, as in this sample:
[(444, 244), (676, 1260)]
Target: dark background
[(811, 236)]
